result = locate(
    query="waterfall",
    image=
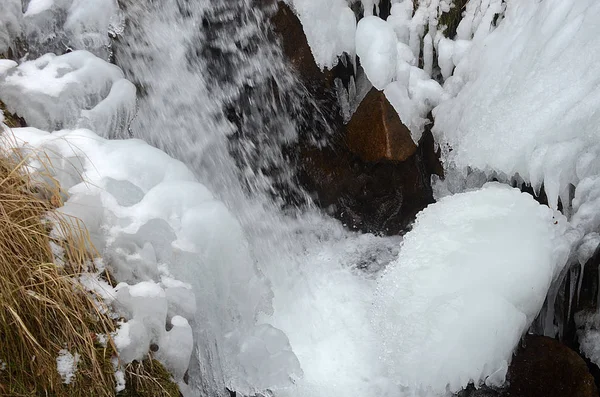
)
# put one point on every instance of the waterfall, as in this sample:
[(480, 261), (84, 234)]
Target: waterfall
[(215, 92)]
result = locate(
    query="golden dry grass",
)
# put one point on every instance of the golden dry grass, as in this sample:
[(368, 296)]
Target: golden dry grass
[(43, 309)]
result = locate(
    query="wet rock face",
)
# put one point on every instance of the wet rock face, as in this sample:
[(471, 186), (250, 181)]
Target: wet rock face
[(295, 46), (369, 174), (546, 367), (543, 367), (376, 197), (376, 133)]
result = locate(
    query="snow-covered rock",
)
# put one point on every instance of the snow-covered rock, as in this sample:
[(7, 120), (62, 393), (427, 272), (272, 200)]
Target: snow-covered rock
[(155, 225), (527, 100), (68, 91), (329, 27), (61, 25), (11, 23), (470, 278)]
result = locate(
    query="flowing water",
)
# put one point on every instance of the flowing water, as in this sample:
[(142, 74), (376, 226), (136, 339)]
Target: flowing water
[(216, 93)]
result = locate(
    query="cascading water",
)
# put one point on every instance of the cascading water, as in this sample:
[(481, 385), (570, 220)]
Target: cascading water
[(216, 93)]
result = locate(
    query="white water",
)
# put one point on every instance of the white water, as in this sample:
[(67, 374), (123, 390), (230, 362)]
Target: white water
[(320, 299)]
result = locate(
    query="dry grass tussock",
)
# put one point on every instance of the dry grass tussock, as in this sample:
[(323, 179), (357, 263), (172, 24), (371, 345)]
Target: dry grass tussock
[(43, 309)]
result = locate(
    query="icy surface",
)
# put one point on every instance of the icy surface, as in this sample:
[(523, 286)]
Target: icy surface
[(61, 25), (174, 224), (73, 90), (527, 98), (329, 27), (376, 47), (11, 23), (470, 278), (283, 303), (589, 335)]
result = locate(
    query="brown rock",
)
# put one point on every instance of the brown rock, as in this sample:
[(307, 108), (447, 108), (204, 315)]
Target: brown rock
[(376, 133), (377, 197), (294, 43), (543, 367), (546, 367)]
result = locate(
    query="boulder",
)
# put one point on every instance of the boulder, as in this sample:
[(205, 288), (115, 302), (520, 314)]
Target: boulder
[(378, 197), (296, 49), (295, 46), (375, 131), (544, 367)]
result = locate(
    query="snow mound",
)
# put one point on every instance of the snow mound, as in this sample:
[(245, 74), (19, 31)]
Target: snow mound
[(75, 90), (59, 25), (11, 23), (155, 225), (527, 101), (470, 278), (329, 27)]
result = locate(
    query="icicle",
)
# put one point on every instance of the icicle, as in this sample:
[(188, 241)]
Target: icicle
[(574, 280), (580, 281), (428, 54)]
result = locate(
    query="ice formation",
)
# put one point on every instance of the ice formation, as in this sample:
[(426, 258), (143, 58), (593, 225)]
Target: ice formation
[(389, 51), (61, 25), (75, 90), (376, 46), (497, 122), (11, 23), (470, 278), (150, 219), (329, 27), (588, 335)]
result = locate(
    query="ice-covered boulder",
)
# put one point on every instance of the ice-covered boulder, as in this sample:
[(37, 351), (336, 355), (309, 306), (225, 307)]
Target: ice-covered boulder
[(470, 278), (61, 25), (155, 225), (527, 101), (329, 27), (11, 23), (68, 91)]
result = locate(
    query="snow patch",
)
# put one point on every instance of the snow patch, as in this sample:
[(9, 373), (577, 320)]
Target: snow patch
[(66, 365)]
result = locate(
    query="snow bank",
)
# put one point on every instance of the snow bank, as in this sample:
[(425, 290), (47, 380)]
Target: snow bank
[(150, 219), (470, 278), (329, 27), (58, 25), (11, 23), (527, 101), (73, 90)]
